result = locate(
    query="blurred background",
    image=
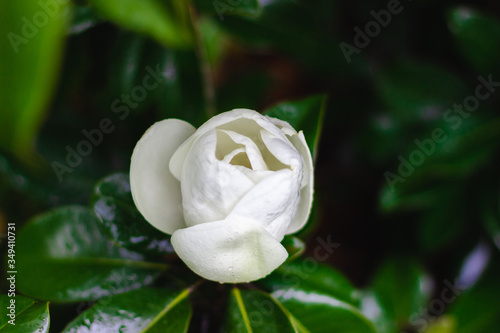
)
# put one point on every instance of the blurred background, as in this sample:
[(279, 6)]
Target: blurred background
[(407, 168)]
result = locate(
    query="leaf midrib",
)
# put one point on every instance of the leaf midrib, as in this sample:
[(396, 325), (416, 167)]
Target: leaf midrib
[(243, 311), (169, 307)]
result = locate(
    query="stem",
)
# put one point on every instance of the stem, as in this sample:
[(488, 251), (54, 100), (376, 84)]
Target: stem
[(205, 68)]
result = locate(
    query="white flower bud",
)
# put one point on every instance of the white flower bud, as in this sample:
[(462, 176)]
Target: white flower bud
[(227, 192)]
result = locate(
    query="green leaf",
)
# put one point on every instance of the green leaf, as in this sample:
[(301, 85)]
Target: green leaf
[(63, 256), (214, 39), (420, 185), (113, 204), (444, 223), (318, 298), (222, 8), (124, 63), (476, 310), (321, 313), (294, 28), (24, 315), (142, 310), (254, 311), (304, 115), (169, 25), (307, 274), (294, 246), (417, 92), (411, 195), (476, 34), (444, 324), (402, 288), (31, 47), (84, 18)]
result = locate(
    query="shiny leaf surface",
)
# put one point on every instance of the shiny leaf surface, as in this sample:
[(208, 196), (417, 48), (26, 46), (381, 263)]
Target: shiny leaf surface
[(113, 205), (24, 315), (84, 18), (402, 288), (310, 275), (318, 312), (294, 246), (476, 34), (254, 311), (63, 256), (142, 310)]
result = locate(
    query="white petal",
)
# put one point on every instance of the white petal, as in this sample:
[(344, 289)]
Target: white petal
[(210, 187), (178, 160), (253, 152), (256, 176), (285, 127), (156, 192), (230, 251), (306, 193), (229, 157), (283, 150), (272, 202)]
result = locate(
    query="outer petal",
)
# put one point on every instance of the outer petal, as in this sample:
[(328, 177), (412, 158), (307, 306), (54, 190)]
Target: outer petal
[(272, 202), (156, 192), (229, 251), (306, 193)]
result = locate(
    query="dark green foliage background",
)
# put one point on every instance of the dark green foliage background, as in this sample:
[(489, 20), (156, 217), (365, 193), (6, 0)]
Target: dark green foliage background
[(396, 245)]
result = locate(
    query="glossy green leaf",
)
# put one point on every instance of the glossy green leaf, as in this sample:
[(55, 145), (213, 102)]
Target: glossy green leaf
[(373, 310), (476, 310), (442, 224), (223, 8), (294, 246), (418, 92), (31, 48), (402, 288), (476, 34), (308, 274), (113, 205), (214, 39), (179, 93), (142, 310), (304, 115), (293, 28), (24, 315), (167, 24), (254, 311), (321, 313), (418, 182), (443, 324), (84, 18), (124, 63), (63, 256)]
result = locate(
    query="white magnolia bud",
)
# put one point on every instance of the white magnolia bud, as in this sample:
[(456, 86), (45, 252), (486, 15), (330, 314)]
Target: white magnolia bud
[(227, 192)]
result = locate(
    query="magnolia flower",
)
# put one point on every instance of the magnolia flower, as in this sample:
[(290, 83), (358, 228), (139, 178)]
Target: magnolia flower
[(227, 193)]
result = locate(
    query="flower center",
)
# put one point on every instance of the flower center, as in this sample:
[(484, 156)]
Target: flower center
[(240, 143)]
